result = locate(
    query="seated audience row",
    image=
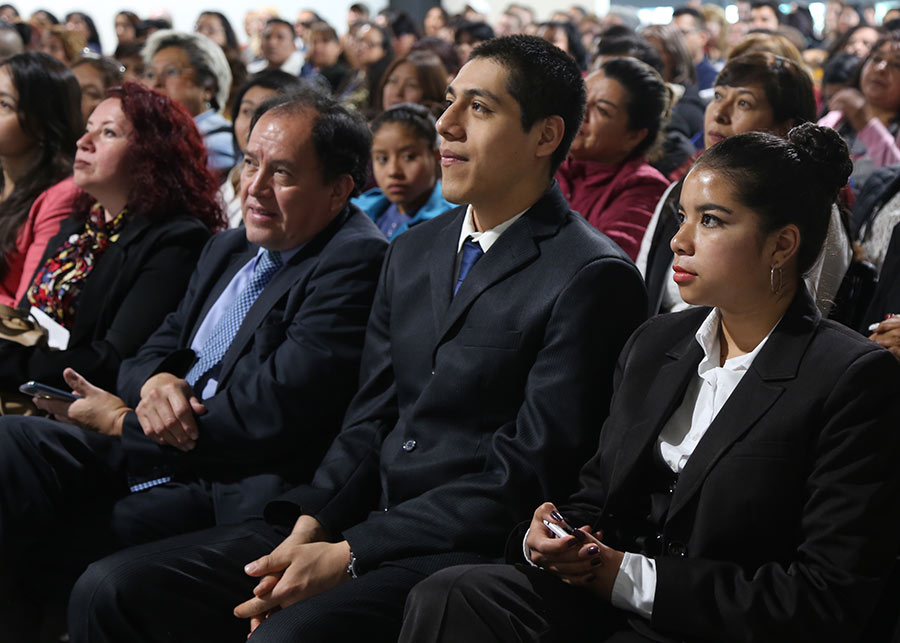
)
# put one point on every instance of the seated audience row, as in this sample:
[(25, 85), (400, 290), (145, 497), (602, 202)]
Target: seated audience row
[(145, 204), (188, 420)]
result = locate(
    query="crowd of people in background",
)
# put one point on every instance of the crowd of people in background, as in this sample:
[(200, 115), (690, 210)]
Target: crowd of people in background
[(162, 156)]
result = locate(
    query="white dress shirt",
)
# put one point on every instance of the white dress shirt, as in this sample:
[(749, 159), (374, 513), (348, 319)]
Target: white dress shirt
[(484, 238)]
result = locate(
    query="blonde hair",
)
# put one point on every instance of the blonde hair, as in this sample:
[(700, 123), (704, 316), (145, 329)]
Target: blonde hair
[(716, 14), (73, 43)]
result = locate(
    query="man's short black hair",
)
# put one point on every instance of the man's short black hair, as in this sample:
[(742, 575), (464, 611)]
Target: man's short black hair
[(279, 21), (699, 21), (477, 32), (341, 138), (544, 80), (633, 46), (403, 24), (758, 4)]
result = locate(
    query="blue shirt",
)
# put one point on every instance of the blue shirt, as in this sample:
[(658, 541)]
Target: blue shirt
[(217, 139), (218, 310)]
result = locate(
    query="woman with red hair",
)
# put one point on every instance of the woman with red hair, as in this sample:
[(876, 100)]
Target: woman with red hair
[(122, 259)]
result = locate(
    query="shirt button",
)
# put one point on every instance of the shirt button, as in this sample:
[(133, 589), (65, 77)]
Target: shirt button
[(409, 445)]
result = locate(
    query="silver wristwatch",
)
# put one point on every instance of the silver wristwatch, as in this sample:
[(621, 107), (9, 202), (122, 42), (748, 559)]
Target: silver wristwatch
[(351, 566)]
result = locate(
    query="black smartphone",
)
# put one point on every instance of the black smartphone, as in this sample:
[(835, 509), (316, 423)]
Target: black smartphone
[(36, 389)]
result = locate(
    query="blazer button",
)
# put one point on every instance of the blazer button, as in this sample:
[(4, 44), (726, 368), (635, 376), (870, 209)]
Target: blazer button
[(409, 445), (672, 486), (675, 548)]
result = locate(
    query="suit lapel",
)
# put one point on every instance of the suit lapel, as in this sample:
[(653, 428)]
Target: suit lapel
[(222, 276), (103, 277), (281, 282), (664, 394), (758, 390), (441, 259), (516, 247)]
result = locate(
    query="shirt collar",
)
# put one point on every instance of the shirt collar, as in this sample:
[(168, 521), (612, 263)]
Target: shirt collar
[(202, 116), (284, 255), (485, 238), (708, 338)]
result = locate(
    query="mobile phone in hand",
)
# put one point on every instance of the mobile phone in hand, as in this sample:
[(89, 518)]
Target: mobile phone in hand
[(36, 389), (561, 530)]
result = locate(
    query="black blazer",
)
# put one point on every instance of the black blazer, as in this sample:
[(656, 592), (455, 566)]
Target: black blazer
[(786, 519), (290, 371), (473, 408), (137, 282), (660, 257)]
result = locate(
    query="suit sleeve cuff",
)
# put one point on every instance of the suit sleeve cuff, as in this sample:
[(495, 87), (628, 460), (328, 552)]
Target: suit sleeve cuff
[(635, 586)]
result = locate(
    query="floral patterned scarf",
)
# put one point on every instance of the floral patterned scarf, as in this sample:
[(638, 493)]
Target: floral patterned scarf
[(58, 284)]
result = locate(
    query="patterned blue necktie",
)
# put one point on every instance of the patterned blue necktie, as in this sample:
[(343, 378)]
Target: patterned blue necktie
[(471, 252), (227, 327)]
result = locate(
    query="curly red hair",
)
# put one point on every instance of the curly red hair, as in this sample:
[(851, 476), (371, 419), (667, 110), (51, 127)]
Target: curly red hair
[(166, 160)]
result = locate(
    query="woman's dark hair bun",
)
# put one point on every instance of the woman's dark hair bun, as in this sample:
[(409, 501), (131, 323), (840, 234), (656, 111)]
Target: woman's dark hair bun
[(825, 155)]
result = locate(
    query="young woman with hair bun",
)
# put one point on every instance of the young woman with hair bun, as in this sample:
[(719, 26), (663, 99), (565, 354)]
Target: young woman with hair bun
[(745, 487)]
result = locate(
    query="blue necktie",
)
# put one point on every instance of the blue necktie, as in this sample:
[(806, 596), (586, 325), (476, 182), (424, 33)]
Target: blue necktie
[(227, 327), (471, 252)]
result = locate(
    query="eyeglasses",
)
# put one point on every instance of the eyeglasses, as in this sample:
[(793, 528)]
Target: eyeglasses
[(168, 72)]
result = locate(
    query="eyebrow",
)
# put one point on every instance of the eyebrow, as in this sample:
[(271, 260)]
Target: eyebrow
[(703, 207), (276, 163), (743, 90), (605, 102), (105, 121), (9, 96), (476, 92)]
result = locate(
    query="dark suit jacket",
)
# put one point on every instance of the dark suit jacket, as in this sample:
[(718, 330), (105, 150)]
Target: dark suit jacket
[(137, 282), (886, 298), (291, 370), (473, 408), (786, 518), (660, 257)]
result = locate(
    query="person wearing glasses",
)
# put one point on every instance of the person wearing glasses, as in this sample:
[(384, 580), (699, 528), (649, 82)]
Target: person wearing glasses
[(192, 70)]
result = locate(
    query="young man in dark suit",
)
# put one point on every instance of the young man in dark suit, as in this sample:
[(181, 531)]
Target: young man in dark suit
[(240, 391), (487, 368)]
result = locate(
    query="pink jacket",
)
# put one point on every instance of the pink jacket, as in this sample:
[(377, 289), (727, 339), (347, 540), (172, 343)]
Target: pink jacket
[(52, 206), (618, 200), (881, 146)]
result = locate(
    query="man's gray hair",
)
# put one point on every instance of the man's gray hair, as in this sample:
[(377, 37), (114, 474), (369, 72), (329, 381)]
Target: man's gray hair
[(206, 57)]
